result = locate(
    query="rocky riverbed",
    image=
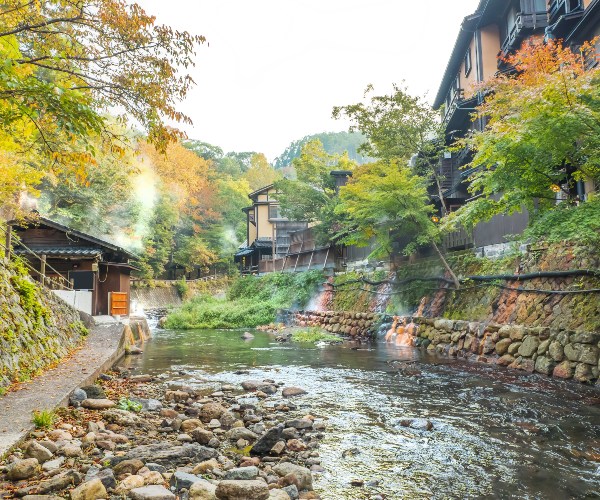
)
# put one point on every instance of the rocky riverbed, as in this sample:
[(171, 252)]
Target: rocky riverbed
[(145, 438)]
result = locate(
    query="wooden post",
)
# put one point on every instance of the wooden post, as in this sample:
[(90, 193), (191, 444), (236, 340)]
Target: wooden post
[(273, 247), (8, 240), (43, 269)]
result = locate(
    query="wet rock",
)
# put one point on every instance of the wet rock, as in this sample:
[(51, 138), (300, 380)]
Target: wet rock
[(302, 474), (202, 490), (505, 360), (544, 365), (529, 346), (563, 370), (94, 392), (76, 397), (183, 480), (242, 473), (97, 404), (128, 467), (23, 469), (152, 492), (168, 455), (502, 346), (92, 490), (247, 336), (289, 392), (37, 451), (266, 442), (420, 424), (242, 490)]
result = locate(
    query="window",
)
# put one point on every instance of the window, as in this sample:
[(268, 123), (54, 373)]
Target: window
[(468, 64), (274, 212)]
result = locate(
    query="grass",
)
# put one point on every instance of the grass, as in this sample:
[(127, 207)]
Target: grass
[(251, 301), (43, 419), (314, 335)]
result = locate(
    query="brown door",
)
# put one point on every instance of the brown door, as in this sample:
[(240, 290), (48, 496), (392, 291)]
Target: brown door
[(119, 304)]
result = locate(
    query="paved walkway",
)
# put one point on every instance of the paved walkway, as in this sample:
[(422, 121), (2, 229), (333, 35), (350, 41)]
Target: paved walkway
[(102, 348)]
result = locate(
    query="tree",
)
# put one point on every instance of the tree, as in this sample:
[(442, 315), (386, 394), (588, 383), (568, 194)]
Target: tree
[(397, 127), (388, 202), (260, 173), (65, 63), (542, 133)]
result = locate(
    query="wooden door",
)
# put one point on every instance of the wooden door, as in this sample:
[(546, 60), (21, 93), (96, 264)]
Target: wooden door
[(119, 303)]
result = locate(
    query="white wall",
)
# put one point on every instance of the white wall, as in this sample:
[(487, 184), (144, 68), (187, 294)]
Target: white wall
[(79, 299)]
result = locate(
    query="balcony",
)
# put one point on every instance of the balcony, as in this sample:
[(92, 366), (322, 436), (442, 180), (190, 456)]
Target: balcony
[(455, 98), (525, 24), (560, 8)]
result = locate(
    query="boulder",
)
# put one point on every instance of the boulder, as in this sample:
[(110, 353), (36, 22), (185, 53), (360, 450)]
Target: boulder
[(23, 469), (97, 404), (92, 490), (502, 346), (76, 397), (302, 474), (168, 455), (153, 492), (529, 346), (556, 351), (545, 365), (37, 451), (242, 490), (563, 370)]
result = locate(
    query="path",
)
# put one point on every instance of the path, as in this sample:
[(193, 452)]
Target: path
[(102, 348)]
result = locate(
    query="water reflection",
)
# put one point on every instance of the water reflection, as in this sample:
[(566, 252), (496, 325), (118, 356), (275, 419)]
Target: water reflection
[(496, 432)]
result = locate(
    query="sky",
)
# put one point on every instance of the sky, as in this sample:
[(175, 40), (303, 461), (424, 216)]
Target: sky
[(272, 70)]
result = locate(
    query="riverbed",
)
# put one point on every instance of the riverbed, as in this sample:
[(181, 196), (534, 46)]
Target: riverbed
[(496, 433)]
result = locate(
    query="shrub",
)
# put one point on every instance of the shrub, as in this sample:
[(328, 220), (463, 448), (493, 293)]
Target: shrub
[(182, 287), (43, 419), (313, 335)]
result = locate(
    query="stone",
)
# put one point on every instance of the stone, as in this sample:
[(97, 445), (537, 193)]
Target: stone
[(148, 404), (206, 466), (227, 419), (588, 354), (177, 396), (529, 346), (156, 467), (202, 436), (152, 477), (37, 451), (583, 373), (502, 346), (94, 392), (242, 490), (152, 492), (302, 474), (52, 465), (543, 347), (97, 404), (292, 491), (516, 332), (123, 418), (278, 448), (107, 477), (202, 490), (182, 480), (300, 423), (42, 497), (278, 495), (242, 473), (505, 360), (190, 424), (210, 411), (522, 363), (241, 433), (129, 483), (556, 350), (289, 392), (59, 435), (168, 455), (76, 397), (91, 490), (266, 442), (23, 469), (128, 467), (71, 450), (59, 482), (583, 338), (545, 365), (513, 348), (563, 370), (296, 445), (572, 351)]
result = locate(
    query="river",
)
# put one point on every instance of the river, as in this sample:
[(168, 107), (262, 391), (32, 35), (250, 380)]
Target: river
[(496, 433)]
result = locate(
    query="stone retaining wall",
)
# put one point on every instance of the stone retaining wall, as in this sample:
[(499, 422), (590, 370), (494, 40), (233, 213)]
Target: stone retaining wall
[(560, 353), (355, 324)]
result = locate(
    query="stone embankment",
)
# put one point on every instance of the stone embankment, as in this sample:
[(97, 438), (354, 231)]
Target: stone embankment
[(566, 354), (358, 325), (139, 438)]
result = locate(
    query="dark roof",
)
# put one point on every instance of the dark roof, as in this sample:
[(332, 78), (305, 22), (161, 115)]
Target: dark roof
[(341, 173), (62, 251), (487, 12), (43, 221), (260, 191), (262, 244)]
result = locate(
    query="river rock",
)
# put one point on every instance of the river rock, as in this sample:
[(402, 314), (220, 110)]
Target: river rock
[(299, 423), (37, 451), (241, 433), (563, 370), (529, 346), (279, 495), (202, 490), (266, 442), (128, 484), (296, 445), (210, 411), (242, 490), (289, 392), (502, 346), (121, 417), (59, 435), (505, 360), (128, 467), (182, 480), (556, 351), (23, 469), (292, 491), (94, 392), (148, 404), (107, 477), (242, 473), (513, 348), (583, 373), (302, 474), (543, 347), (168, 455), (76, 397), (97, 404), (52, 465), (190, 424), (206, 466), (152, 492), (544, 365), (92, 490)]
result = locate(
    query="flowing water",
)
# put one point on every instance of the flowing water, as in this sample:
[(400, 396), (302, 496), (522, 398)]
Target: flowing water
[(495, 433)]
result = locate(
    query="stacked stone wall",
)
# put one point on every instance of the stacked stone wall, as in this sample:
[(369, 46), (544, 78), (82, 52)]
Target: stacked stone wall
[(37, 328), (359, 325)]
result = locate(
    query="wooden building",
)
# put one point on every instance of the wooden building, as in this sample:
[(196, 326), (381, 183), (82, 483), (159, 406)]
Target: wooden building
[(89, 272)]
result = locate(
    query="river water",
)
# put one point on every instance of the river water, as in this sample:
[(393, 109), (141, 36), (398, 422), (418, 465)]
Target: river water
[(496, 433)]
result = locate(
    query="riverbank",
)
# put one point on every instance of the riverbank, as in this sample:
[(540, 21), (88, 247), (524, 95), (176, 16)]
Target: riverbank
[(151, 439)]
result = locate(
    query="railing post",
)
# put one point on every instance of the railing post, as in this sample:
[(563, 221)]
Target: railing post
[(43, 269), (8, 241)]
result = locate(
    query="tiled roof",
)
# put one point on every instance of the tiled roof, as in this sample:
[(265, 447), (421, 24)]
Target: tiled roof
[(62, 251)]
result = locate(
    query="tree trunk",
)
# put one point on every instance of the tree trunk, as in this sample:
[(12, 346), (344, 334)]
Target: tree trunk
[(446, 265)]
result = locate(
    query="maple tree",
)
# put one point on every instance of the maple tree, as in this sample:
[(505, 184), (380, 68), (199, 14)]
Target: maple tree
[(260, 173)]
